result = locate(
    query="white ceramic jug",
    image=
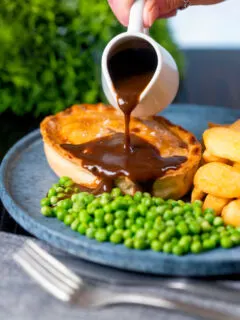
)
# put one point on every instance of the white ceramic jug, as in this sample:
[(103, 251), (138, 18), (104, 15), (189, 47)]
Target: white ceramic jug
[(163, 86)]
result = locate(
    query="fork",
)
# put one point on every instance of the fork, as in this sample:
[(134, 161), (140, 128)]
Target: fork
[(65, 285)]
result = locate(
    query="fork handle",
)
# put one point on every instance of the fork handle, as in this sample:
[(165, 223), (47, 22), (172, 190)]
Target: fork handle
[(167, 304)]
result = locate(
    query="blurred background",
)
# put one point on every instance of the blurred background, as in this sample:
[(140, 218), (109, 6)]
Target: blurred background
[(50, 52)]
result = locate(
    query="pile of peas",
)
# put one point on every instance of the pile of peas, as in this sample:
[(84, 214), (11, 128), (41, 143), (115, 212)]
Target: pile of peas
[(139, 221)]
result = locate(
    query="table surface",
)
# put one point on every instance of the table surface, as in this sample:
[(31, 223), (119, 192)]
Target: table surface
[(212, 78)]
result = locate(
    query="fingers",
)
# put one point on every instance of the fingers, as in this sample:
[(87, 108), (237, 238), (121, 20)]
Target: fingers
[(121, 9), (156, 9)]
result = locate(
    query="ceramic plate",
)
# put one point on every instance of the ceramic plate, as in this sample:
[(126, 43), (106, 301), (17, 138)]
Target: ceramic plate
[(25, 178)]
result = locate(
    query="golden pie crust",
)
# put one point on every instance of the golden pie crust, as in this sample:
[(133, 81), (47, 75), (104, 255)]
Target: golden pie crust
[(83, 123)]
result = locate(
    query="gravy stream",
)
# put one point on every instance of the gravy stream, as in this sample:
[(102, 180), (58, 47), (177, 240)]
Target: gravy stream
[(126, 155)]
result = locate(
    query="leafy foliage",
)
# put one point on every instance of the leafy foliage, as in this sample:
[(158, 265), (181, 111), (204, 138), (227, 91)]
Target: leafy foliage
[(50, 52)]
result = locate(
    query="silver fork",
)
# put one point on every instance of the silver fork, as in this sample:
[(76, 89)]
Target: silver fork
[(63, 284)]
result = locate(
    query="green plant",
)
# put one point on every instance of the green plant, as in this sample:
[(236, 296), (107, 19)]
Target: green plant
[(50, 52)]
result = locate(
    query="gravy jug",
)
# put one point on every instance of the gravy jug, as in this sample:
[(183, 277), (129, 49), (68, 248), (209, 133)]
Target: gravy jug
[(163, 87)]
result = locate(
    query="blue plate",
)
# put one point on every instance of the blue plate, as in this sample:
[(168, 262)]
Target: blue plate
[(25, 177)]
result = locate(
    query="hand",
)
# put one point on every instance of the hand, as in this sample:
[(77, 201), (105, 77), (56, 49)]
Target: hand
[(154, 9)]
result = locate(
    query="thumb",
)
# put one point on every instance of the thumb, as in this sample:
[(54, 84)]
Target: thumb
[(121, 9)]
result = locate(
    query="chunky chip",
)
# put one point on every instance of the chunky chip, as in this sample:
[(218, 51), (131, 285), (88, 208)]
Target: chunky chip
[(216, 203), (231, 213), (218, 179), (223, 143), (208, 157), (197, 194), (236, 165)]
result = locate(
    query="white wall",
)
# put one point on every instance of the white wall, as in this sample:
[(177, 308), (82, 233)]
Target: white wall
[(216, 26)]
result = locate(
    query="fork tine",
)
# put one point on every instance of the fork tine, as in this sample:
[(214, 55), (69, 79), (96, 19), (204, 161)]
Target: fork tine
[(41, 275), (53, 266), (61, 267)]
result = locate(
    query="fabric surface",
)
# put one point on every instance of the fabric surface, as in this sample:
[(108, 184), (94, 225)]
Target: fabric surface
[(22, 299)]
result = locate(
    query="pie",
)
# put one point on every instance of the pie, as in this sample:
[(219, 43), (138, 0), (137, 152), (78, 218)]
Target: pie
[(81, 124)]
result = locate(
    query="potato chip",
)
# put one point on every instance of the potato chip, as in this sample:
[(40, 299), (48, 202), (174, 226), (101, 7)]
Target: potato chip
[(197, 194), (218, 179), (236, 165), (223, 143), (236, 125), (231, 213), (208, 157), (215, 203)]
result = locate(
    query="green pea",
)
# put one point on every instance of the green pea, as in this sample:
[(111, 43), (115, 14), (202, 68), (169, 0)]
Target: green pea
[(54, 200), (84, 216), (159, 226), (196, 238), (226, 242), (75, 224), (128, 243), (109, 218), (235, 238), (197, 203), (209, 217), (82, 228), (99, 222), (146, 202), (90, 233), (158, 201), (99, 213), (45, 202), (55, 185), (170, 223), (196, 247), (209, 210), (164, 236), (167, 247), (101, 235), (134, 228), (205, 236), (52, 192), (205, 225), (129, 223), (132, 212), (146, 194), (140, 222), (68, 190), (138, 196), (174, 241), (156, 245), (142, 209), (187, 207), (127, 234), (148, 225), (185, 243), (168, 215), (104, 201), (91, 208), (194, 227), (218, 222), (139, 244), (61, 213), (152, 235), (119, 223), (152, 214), (110, 229), (209, 244), (182, 228), (121, 214), (197, 211), (215, 237), (78, 206), (181, 203), (68, 183), (161, 209), (68, 219), (178, 250), (116, 192), (47, 211), (140, 234), (177, 210), (116, 237), (66, 204), (177, 219), (63, 180), (107, 208), (60, 195)]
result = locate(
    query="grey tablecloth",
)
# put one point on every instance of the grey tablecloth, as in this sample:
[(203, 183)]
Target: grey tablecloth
[(22, 299)]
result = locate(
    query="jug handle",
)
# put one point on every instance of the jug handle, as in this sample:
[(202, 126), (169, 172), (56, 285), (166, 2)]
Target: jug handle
[(136, 17)]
